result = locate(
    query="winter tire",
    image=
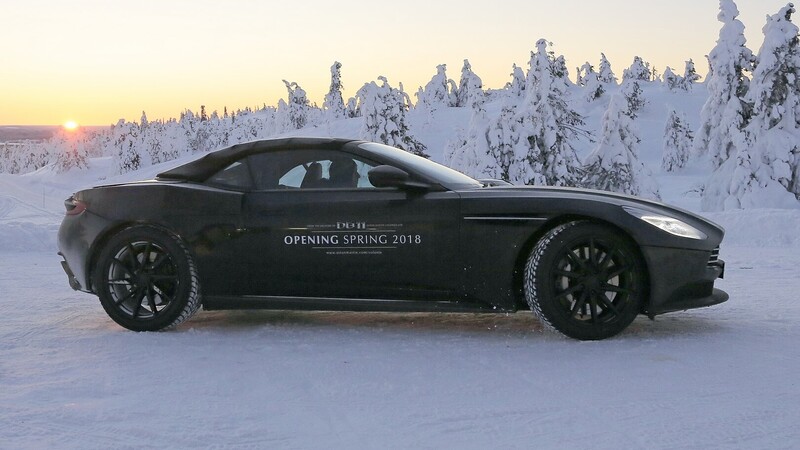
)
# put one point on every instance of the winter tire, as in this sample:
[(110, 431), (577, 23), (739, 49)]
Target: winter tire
[(585, 280), (146, 279)]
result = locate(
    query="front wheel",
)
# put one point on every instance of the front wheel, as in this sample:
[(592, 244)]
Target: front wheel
[(585, 280), (146, 279)]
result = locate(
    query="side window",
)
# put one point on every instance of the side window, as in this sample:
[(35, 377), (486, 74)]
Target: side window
[(363, 169), (296, 175), (236, 175), (310, 169)]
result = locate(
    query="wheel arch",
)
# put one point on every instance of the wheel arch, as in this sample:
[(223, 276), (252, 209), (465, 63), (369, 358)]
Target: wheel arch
[(527, 247)]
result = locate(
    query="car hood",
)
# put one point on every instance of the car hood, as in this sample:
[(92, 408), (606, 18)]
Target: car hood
[(571, 193), (578, 201)]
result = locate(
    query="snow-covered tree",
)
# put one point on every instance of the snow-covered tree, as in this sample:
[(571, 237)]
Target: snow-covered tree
[(334, 103), (579, 73), (537, 65), (171, 144), (634, 97), (188, 125), (604, 71), (296, 109), (590, 80), (152, 138), (201, 132), (250, 126), (70, 149), (469, 151), (384, 111), (638, 71), (435, 94), (28, 156), (548, 126), (470, 87), (671, 80), (614, 163), (517, 84), (725, 112), (507, 153), (202, 141), (7, 159), (677, 142), (690, 76), (452, 97), (655, 76), (218, 134), (530, 141), (407, 104), (351, 110), (127, 156), (767, 166), (560, 71)]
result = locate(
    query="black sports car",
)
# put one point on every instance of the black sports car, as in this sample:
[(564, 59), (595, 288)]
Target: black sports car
[(333, 224)]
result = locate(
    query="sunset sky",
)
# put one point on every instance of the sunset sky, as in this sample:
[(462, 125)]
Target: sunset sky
[(96, 61)]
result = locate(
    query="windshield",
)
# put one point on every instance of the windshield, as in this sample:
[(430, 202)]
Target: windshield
[(444, 175)]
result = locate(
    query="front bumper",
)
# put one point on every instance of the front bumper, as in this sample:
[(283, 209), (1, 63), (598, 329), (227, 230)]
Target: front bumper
[(682, 279)]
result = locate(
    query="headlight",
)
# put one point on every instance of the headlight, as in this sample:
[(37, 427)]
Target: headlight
[(669, 224)]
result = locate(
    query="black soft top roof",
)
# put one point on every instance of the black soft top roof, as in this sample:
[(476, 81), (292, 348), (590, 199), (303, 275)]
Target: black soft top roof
[(202, 168)]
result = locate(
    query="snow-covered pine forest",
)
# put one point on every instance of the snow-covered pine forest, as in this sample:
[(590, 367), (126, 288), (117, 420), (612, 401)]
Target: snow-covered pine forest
[(628, 129)]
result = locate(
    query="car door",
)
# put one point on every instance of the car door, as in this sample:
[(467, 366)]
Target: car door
[(313, 232)]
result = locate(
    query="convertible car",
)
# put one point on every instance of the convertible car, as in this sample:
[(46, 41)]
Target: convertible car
[(334, 224)]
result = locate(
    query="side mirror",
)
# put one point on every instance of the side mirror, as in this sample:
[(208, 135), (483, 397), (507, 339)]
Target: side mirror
[(390, 176)]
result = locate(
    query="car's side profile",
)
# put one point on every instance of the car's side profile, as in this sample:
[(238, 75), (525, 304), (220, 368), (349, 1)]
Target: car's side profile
[(334, 224)]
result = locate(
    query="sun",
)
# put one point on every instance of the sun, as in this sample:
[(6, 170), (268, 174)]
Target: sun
[(70, 125)]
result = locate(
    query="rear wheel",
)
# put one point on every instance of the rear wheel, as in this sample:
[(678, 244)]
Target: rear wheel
[(585, 280), (146, 279)]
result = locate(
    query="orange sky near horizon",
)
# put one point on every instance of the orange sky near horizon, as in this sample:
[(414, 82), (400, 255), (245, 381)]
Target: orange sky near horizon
[(96, 61)]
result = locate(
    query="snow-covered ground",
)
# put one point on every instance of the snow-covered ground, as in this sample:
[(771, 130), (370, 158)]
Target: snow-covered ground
[(722, 377), (70, 378)]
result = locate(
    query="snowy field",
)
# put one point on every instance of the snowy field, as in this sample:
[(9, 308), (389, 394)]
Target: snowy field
[(718, 377)]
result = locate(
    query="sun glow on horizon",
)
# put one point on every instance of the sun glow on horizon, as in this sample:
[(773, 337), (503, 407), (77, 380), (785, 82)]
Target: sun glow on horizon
[(70, 125), (82, 84)]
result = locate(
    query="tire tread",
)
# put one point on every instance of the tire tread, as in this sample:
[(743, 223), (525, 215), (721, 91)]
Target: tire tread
[(531, 296), (195, 298)]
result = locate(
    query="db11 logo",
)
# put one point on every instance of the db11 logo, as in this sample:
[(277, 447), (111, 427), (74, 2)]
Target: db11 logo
[(351, 225)]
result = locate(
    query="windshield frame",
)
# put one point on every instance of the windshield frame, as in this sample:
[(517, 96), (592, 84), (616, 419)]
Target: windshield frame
[(424, 168)]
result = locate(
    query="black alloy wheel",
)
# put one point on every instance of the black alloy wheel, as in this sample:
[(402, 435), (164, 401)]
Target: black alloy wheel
[(585, 280), (146, 279)]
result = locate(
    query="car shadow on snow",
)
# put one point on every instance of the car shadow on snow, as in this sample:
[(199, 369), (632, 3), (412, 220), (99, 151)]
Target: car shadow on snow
[(521, 324)]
